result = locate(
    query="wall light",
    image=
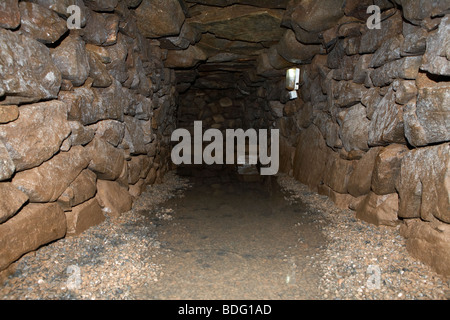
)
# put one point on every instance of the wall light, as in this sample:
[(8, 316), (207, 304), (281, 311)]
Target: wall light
[(292, 82)]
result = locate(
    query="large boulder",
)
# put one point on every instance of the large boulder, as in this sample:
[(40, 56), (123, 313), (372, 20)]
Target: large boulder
[(60, 7), (428, 242), (185, 58), (386, 125), (11, 200), (40, 23), (90, 105), (27, 72), (294, 51), (84, 216), (418, 11), (35, 225), (239, 22), (308, 18), (437, 56), (101, 29), (113, 198), (427, 119), (354, 131), (45, 127), (360, 180), (159, 18), (71, 59), (80, 190), (48, 181), (424, 182), (106, 161), (387, 168), (310, 157), (379, 210), (337, 173)]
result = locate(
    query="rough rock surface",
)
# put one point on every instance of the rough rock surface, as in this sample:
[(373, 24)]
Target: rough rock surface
[(47, 182), (34, 226), (45, 127), (28, 73)]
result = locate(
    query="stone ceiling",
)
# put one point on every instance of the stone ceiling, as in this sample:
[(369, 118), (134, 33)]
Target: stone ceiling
[(212, 41)]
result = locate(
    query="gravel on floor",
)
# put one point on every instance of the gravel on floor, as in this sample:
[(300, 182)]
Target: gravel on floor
[(109, 261), (116, 259), (364, 261)]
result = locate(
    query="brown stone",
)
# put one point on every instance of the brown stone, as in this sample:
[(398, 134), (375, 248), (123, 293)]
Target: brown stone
[(84, 216), (40, 23), (294, 51), (348, 93), (427, 119), (9, 14), (111, 131), (379, 210), (135, 190), (308, 18), (428, 242), (7, 167), (328, 128), (138, 135), (11, 200), (374, 38), (60, 7), (71, 59), (185, 58), (406, 68), (80, 190), (34, 226), (387, 124), (310, 157), (239, 22), (417, 11), (337, 173), (106, 161), (113, 198), (437, 56), (98, 71), (389, 50), (88, 106), (159, 18), (361, 178), (80, 135), (134, 169), (101, 29), (423, 184), (8, 113), (405, 90), (45, 127), (387, 168), (28, 73), (354, 131), (48, 181)]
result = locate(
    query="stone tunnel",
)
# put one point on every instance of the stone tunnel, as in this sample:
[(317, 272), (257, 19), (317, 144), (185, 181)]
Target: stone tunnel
[(91, 92)]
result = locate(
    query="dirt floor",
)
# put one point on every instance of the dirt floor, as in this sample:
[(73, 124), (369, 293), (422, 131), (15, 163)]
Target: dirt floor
[(217, 237)]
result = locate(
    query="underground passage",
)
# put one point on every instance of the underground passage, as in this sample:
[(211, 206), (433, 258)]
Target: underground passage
[(224, 149)]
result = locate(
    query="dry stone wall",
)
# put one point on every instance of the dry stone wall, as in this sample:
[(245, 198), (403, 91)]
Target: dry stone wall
[(85, 118), (371, 128)]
